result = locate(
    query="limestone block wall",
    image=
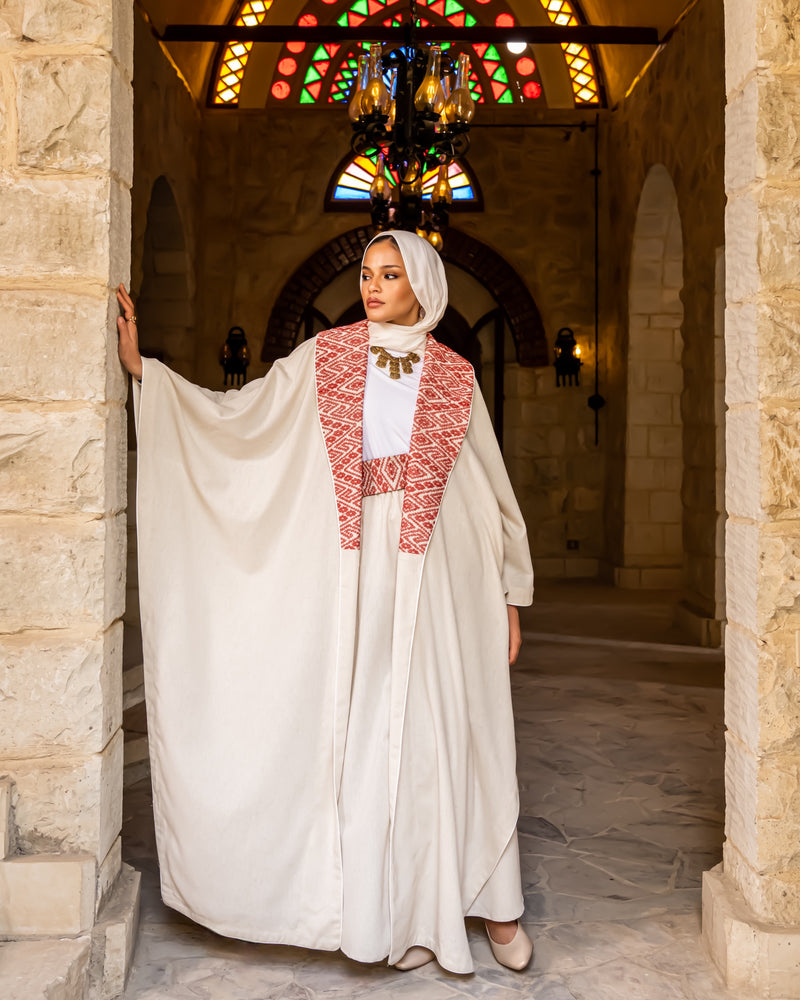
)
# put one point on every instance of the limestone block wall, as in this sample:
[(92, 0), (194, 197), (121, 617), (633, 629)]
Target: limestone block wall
[(763, 394), (263, 181), (65, 176), (673, 117)]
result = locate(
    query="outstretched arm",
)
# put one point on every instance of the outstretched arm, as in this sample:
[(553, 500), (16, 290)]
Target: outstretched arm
[(128, 335)]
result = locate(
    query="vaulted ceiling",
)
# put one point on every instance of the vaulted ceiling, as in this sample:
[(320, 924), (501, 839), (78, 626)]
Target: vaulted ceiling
[(620, 63)]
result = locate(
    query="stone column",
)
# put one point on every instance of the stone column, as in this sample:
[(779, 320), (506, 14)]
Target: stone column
[(751, 903), (65, 176)]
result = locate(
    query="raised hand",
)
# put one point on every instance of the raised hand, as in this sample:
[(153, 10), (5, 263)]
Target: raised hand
[(128, 335)]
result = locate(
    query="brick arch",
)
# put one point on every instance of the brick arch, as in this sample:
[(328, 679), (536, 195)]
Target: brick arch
[(464, 251)]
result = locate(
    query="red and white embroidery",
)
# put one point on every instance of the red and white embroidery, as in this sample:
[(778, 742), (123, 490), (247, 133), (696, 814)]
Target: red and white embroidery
[(441, 419), (340, 361), (383, 475)]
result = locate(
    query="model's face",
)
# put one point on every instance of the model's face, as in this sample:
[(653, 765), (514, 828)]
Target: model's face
[(385, 289)]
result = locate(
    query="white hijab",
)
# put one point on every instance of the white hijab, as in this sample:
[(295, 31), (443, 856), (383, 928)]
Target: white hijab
[(428, 281)]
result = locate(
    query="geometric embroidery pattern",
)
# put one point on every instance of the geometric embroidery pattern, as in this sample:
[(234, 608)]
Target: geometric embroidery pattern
[(340, 362), (441, 419), (383, 475)]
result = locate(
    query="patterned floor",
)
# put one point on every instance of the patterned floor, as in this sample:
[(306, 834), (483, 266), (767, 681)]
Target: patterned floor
[(620, 768)]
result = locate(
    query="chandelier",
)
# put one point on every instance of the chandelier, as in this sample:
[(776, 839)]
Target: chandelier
[(415, 124)]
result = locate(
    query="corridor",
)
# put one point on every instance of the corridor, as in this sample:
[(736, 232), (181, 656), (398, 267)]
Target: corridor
[(620, 740)]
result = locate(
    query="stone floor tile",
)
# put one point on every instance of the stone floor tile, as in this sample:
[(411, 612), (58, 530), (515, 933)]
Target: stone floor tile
[(620, 761)]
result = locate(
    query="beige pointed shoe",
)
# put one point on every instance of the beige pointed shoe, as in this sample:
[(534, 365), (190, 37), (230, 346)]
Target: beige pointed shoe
[(414, 958), (517, 953)]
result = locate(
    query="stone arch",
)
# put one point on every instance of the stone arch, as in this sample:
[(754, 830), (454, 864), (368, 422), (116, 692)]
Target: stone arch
[(477, 259), (164, 310), (163, 304), (653, 542)]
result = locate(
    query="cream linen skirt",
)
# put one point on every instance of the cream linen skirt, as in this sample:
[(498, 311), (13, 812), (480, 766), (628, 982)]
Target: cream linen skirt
[(364, 793)]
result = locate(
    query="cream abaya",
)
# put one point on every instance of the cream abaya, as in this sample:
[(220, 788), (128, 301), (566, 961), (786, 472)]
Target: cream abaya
[(327, 677)]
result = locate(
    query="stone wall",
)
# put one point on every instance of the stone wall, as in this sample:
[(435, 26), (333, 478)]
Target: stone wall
[(262, 216), (673, 117), (65, 176), (751, 911)]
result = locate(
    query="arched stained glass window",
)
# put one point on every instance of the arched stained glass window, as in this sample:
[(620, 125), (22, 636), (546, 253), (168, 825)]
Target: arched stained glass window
[(231, 67), (312, 74), (579, 58), (352, 179)]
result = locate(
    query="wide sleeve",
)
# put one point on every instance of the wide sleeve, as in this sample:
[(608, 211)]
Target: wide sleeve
[(517, 575)]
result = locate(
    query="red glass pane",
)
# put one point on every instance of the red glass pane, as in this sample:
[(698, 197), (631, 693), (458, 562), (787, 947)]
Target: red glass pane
[(308, 20), (497, 89), (481, 48), (313, 89), (353, 20), (295, 46), (374, 6), (322, 67), (525, 66), (287, 66), (532, 89), (505, 21), (458, 20), (437, 7), (281, 90)]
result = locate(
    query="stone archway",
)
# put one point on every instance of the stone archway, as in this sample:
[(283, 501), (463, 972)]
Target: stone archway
[(164, 309), (164, 303), (477, 259), (653, 542)]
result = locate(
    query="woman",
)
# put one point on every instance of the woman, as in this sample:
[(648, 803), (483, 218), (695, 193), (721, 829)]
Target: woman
[(330, 560)]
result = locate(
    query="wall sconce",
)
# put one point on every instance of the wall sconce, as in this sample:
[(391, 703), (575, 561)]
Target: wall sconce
[(235, 356), (568, 358)]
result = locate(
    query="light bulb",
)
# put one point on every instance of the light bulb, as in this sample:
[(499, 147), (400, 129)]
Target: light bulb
[(380, 187), (436, 241), (412, 178), (429, 98), (354, 107), (460, 106), (577, 351), (516, 47), (442, 192), (392, 103), (375, 98)]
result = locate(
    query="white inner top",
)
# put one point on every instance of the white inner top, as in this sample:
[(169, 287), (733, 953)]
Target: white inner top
[(389, 406)]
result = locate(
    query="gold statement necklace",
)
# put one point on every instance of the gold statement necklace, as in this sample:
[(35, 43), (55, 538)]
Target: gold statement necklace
[(395, 364)]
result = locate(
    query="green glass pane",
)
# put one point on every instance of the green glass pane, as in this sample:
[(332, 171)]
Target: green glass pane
[(306, 98), (501, 75), (470, 21), (320, 54), (506, 98), (311, 75), (492, 53), (452, 7), (342, 20), (360, 7)]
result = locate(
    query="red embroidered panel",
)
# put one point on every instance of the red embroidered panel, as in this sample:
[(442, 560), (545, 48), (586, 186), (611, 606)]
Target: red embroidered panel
[(443, 409), (340, 362), (383, 475)]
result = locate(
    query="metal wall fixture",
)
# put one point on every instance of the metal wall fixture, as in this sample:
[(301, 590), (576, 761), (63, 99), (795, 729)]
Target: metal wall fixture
[(234, 356)]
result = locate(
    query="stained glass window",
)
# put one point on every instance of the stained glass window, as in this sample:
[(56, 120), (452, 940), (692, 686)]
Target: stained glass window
[(312, 74), (579, 58), (231, 67), (356, 176)]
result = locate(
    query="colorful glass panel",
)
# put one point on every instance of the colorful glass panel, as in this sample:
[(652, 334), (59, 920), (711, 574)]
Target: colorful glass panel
[(579, 60), (234, 58), (354, 182)]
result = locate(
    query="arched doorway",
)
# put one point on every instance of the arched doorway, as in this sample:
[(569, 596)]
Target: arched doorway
[(164, 311), (653, 543)]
